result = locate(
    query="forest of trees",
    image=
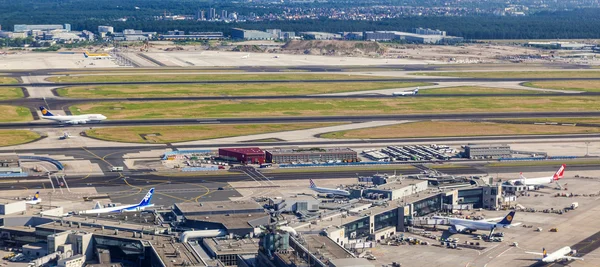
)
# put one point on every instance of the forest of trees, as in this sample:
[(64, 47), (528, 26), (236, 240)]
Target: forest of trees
[(87, 15)]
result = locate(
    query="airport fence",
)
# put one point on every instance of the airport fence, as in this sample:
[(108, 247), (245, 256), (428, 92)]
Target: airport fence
[(199, 169), (54, 162), (538, 158), (183, 152), (14, 174), (335, 164)]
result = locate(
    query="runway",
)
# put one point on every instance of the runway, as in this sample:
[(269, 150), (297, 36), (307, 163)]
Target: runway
[(250, 120), (431, 80)]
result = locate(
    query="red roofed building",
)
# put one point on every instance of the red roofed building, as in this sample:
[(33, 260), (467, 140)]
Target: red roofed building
[(247, 155)]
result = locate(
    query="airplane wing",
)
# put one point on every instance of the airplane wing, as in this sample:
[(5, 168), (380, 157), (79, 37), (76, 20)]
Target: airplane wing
[(572, 258), (512, 225), (492, 219), (460, 228), (534, 253)]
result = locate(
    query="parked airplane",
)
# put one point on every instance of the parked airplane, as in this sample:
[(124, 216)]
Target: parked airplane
[(331, 191), (35, 200), (144, 203), (74, 119), (465, 225), (246, 56), (541, 180), (406, 93), (559, 255), (86, 54)]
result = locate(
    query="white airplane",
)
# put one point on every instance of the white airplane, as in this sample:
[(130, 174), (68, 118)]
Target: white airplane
[(541, 180), (464, 225), (331, 191), (74, 119), (144, 203), (406, 93), (246, 56), (35, 200), (559, 255)]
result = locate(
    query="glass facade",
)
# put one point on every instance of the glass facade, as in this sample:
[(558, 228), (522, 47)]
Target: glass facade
[(427, 206), (471, 196), (361, 227), (386, 219)]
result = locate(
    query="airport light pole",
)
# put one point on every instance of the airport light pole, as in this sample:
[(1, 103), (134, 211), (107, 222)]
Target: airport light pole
[(587, 149)]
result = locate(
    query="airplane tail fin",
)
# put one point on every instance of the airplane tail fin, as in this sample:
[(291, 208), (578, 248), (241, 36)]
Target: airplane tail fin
[(508, 219), (45, 112), (312, 184), (147, 198), (85, 54), (560, 173), (36, 196), (97, 206), (416, 90), (544, 252), (521, 176)]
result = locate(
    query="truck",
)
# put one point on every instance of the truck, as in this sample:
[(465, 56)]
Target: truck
[(574, 205), (116, 169)]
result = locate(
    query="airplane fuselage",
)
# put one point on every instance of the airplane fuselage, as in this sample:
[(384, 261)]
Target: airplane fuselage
[(126, 208), (534, 181), (557, 255), (331, 191), (76, 119)]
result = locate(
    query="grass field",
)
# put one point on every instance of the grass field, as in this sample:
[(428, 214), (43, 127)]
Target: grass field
[(207, 77), (472, 90), (456, 128), (8, 80), (516, 74), (16, 137), (587, 86), (173, 134), (14, 114), (330, 107), (240, 89), (10, 93)]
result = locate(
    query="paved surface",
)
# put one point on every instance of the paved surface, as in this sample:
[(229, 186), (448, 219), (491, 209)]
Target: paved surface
[(307, 135), (408, 79), (516, 85), (298, 119)]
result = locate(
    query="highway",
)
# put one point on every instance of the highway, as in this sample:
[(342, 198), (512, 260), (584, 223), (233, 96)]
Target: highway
[(431, 80), (300, 119)]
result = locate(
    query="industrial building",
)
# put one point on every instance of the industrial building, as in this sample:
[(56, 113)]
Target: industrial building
[(245, 155), (228, 251), (311, 155), (395, 190), (487, 151), (419, 36), (241, 34), (26, 28), (180, 35), (297, 204), (10, 164), (234, 217), (8, 207), (321, 36)]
